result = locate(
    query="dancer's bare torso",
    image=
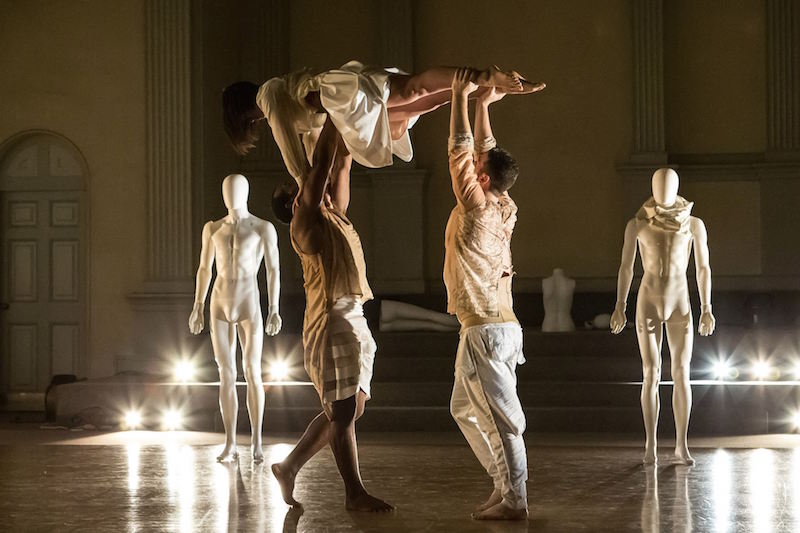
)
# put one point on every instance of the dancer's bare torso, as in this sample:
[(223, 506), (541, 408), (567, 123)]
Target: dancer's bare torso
[(238, 252), (664, 291)]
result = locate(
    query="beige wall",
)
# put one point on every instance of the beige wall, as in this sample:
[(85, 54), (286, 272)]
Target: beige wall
[(77, 68), (715, 76)]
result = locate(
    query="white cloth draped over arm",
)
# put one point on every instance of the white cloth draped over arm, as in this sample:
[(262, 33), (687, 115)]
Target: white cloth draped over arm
[(279, 106)]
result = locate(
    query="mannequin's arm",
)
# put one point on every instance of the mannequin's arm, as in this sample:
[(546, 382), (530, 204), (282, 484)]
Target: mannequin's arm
[(203, 280), (273, 267), (624, 278), (703, 273)]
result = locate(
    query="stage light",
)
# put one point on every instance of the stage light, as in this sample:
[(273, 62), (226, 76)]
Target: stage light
[(796, 420), (184, 371), (171, 420), (722, 370), (796, 371), (279, 370), (761, 370), (133, 419)]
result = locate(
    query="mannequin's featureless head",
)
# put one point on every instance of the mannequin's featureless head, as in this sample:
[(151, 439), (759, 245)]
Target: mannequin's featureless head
[(235, 190), (665, 186)]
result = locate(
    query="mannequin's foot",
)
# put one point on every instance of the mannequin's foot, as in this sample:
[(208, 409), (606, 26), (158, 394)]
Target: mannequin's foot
[(493, 500), (682, 456), (229, 453), (501, 511), (368, 504), (650, 455), (286, 483), (258, 454), (494, 77)]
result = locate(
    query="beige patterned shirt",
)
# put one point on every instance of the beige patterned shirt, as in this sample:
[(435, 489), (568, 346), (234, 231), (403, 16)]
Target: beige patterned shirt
[(477, 242)]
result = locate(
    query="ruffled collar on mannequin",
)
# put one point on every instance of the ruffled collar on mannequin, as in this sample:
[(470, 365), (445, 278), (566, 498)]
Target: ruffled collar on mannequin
[(673, 218)]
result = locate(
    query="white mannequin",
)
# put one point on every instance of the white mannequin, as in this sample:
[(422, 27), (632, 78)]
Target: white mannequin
[(557, 291), (237, 243), (665, 233)]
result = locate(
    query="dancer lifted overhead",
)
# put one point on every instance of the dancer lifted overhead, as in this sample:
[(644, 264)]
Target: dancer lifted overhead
[(371, 107), (477, 273), (338, 347)]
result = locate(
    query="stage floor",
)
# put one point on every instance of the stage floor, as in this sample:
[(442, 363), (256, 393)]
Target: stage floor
[(53, 480)]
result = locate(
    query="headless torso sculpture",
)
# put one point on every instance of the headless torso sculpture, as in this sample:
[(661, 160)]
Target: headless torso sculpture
[(236, 244), (665, 234), (557, 291)]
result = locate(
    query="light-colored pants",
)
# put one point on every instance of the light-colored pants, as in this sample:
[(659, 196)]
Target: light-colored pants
[(486, 406)]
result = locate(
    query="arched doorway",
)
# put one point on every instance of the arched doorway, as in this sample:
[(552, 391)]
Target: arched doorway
[(43, 206)]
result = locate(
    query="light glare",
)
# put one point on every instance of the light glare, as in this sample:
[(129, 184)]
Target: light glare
[(761, 370), (133, 419), (172, 420), (184, 371), (279, 370), (796, 420), (722, 370)]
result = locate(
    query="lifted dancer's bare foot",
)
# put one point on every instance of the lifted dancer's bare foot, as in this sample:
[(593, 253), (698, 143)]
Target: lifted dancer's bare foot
[(368, 504), (682, 456), (286, 482), (494, 77), (229, 453), (527, 87), (501, 511), (493, 500)]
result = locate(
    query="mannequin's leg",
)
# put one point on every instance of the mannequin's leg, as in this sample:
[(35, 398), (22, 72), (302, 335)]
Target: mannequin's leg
[(681, 340), (649, 332), (252, 341), (223, 339)]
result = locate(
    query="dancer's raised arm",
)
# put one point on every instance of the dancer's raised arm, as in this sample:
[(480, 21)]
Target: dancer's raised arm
[(305, 224), (340, 178), (484, 139)]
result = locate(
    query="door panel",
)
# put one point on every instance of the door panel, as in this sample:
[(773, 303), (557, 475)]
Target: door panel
[(43, 283)]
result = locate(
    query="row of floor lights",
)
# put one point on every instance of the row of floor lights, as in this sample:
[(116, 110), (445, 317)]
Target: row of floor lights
[(760, 370), (184, 372)]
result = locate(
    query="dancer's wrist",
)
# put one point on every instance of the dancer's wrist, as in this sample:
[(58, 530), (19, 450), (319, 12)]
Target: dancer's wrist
[(199, 306), (621, 306)]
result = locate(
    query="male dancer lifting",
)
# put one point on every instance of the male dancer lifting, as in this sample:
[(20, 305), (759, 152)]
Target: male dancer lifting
[(338, 347), (477, 273)]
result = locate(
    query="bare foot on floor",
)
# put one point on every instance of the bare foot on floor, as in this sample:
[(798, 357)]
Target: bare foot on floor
[(493, 500), (229, 453), (286, 482), (501, 511), (368, 504), (494, 77), (682, 457)]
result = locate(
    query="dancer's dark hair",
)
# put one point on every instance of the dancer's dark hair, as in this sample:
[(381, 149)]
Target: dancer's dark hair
[(241, 123), (502, 169)]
